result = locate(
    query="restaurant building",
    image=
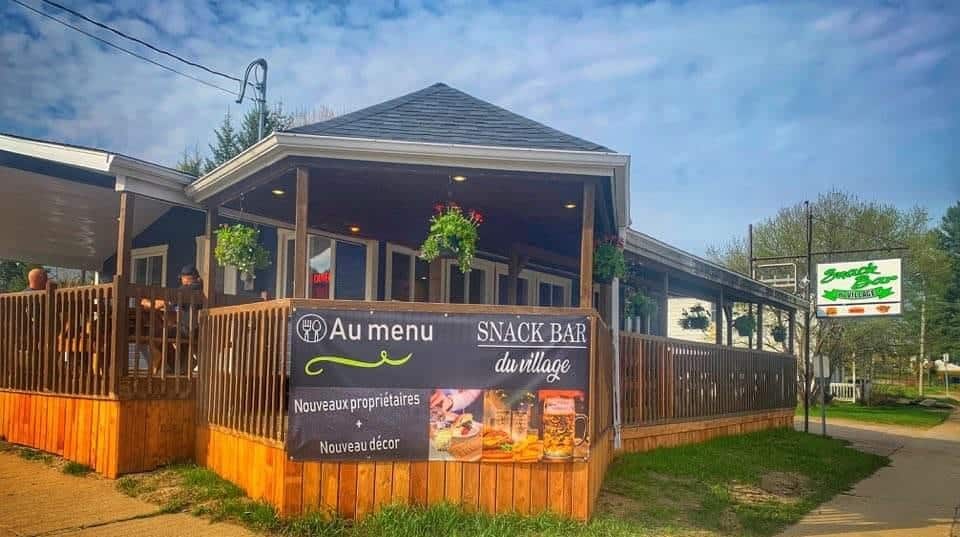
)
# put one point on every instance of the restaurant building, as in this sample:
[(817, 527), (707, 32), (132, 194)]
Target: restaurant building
[(133, 372)]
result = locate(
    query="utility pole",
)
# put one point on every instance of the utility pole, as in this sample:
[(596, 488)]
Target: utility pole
[(823, 378), (260, 96), (923, 336), (806, 323)]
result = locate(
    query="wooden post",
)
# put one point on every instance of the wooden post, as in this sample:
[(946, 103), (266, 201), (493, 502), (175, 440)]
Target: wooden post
[(209, 268), (120, 281), (760, 326), (728, 309), (435, 289), (792, 331), (300, 234), (50, 335), (586, 246), (665, 311), (718, 322)]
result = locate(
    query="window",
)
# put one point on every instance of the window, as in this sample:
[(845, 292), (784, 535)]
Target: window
[(474, 287), (408, 276), (523, 290), (534, 288), (336, 268), (148, 266), (351, 274)]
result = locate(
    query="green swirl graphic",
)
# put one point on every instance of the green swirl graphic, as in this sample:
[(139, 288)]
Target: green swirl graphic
[(351, 362)]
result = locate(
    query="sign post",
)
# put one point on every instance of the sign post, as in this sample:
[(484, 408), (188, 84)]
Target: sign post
[(946, 372)]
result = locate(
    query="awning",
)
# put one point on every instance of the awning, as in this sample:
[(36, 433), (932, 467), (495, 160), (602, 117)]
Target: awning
[(60, 202)]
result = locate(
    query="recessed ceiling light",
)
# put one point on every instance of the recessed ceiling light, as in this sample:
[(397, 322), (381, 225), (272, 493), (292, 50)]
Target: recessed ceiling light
[(277, 192), (459, 178), (354, 229), (569, 205)]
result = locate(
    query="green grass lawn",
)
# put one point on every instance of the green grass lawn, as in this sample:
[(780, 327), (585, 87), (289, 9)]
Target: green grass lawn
[(754, 485), (906, 415)]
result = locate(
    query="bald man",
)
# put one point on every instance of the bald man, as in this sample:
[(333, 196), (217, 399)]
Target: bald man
[(37, 280)]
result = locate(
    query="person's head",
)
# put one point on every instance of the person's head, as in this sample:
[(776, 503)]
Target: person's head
[(37, 279), (189, 276)]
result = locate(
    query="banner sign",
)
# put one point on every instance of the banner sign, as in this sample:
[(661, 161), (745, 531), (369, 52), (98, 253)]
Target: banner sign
[(859, 289), (378, 385)]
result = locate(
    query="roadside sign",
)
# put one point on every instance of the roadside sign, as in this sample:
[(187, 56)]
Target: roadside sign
[(859, 288)]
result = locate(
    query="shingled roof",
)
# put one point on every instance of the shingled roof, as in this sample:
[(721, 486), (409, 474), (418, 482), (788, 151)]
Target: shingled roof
[(441, 114)]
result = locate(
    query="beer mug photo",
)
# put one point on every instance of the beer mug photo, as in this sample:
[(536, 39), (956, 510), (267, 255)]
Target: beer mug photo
[(560, 419)]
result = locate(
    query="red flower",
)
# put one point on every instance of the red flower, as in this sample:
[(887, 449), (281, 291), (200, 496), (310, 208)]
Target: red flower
[(438, 208)]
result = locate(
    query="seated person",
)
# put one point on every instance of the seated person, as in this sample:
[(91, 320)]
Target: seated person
[(36, 279)]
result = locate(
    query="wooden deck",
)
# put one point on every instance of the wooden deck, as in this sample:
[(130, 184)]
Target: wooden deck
[(220, 397)]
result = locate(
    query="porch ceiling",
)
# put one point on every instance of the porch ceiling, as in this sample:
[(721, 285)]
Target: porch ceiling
[(394, 202), (64, 223)]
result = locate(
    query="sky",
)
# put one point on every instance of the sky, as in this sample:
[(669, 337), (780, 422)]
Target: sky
[(729, 109)]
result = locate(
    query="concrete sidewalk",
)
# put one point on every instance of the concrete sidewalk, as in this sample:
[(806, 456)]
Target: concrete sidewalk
[(38, 500), (918, 495)]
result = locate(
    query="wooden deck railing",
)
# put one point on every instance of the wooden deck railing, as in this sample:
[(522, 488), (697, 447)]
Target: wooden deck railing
[(243, 369), (667, 380), (62, 341), (23, 331)]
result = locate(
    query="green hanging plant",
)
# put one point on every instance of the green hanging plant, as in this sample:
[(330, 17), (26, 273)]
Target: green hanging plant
[(452, 234), (745, 325), (779, 333), (696, 318), (239, 246), (637, 303), (608, 260)]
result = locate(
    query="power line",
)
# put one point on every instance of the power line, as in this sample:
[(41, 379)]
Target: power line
[(127, 51), (140, 41)]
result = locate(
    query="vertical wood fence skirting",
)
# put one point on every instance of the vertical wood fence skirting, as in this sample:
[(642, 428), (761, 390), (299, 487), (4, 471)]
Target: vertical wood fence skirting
[(355, 489), (113, 437)]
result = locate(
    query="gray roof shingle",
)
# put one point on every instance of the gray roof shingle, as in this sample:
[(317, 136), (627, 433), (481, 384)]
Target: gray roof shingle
[(441, 114)]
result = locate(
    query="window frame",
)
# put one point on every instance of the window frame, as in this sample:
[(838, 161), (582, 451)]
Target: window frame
[(159, 250), (388, 270), (285, 235), (490, 268), (534, 279)]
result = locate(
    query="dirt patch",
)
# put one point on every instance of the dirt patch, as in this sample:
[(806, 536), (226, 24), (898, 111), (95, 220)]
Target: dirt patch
[(783, 487), (612, 502)]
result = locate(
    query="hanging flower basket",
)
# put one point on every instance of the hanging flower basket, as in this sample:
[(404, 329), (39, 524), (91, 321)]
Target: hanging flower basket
[(608, 260), (696, 318), (452, 235), (745, 325), (239, 246), (637, 303), (779, 333)]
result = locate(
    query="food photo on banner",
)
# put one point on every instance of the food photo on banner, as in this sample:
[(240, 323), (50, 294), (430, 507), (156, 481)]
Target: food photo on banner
[(438, 386)]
